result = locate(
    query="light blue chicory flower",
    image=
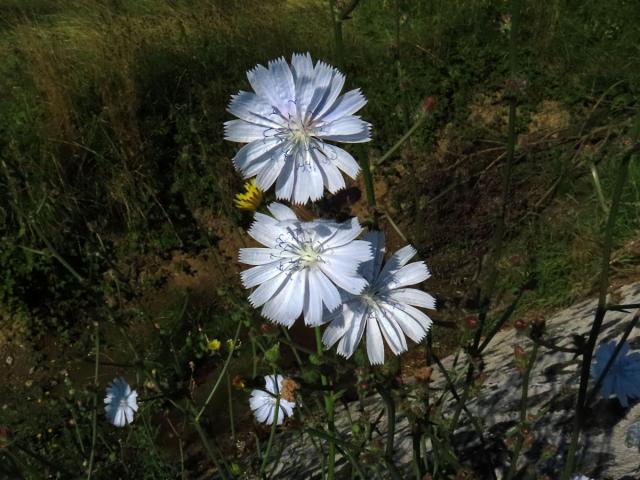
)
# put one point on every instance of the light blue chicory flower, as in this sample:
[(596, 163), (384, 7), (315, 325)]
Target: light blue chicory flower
[(287, 123), (623, 378)]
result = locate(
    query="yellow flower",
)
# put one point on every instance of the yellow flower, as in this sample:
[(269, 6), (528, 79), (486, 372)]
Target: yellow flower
[(251, 198), (214, 345)]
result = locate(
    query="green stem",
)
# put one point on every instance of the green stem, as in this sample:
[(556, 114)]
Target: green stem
[(329, 409), (343, 446), (580, 415), (55, 253), (415, 447), (418, 123), (523, 413), (94, 417), (272, 433), (230, 401), (496, 250), (294, 347), (391, 422), (207, 447), (336, 23), (598, 186), (221, 376), (254, 358), (623, 308), (501, 321)]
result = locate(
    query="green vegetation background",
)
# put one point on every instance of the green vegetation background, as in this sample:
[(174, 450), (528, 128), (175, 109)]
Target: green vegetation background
[(116, 186)]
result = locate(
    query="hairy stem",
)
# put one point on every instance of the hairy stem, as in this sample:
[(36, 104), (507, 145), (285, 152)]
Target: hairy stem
[(329, 410), (265, 459), (523, 413)]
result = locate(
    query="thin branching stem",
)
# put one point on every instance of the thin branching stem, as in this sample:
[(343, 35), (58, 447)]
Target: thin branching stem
[(230, 401), (207, 447), (523, 413), (496, 250), (94, 415), (580, 416), (329, 410), (222, 374), (272, 433), (623, 308), (417, 124)]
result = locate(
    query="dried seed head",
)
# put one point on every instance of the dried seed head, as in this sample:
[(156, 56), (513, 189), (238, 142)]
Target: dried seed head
[(289, 388)]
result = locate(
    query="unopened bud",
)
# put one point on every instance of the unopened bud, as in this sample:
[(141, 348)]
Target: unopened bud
[(520, 324), (237, 382), (265, 328), (471, 322), (5, 437), (515, 260), (428, 103)]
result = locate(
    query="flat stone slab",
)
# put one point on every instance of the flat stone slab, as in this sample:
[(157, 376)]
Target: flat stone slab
[(609, 447)]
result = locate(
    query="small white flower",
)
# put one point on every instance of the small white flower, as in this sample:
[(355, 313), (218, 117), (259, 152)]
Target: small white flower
[(623, 378), (286, 123), (303, 265), (386, 309), (120, 402), (580, 477), (263, 402)]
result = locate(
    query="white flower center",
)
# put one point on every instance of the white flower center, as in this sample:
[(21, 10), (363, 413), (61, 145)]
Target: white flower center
[(299, 250), (294, 129), (368, 296), (299, 132), (309, 256)]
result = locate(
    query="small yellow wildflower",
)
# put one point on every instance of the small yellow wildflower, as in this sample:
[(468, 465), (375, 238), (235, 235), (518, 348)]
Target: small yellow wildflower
[(251, 198), (214, 345)]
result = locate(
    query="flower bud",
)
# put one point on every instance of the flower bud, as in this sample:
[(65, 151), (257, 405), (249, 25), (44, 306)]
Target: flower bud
[(237, 382), (428, 103), (515, 260), (471, 322), (520, 324), (5, 437), (265, 328)]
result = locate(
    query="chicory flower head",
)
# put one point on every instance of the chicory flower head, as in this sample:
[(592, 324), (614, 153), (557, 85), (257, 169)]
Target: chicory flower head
[(303, 265), (623, 378), (286, 123), (263, 402), (120, 402), (386, 308)]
